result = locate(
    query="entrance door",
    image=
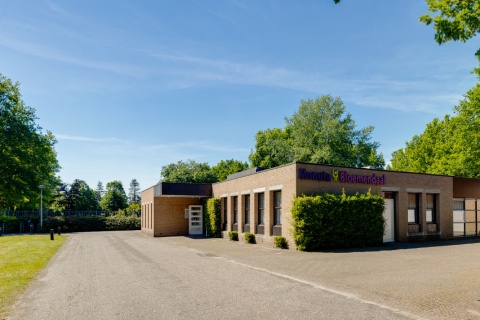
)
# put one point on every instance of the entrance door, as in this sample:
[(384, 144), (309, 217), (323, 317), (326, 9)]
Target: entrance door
[(195, 220), (389, 215)]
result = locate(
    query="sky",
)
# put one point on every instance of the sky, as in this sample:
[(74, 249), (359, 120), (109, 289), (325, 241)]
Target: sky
[(127, 87)]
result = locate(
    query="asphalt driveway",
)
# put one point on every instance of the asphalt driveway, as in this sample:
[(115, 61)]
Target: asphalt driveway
[(128, 275)]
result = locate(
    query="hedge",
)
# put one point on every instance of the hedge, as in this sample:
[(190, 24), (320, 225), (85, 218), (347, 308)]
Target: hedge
[(329, 221), (212, 217), (73, 223)]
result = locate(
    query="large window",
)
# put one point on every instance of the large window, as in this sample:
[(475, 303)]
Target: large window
[(247, 209), (413, 208), (235, 210), (431, 214), (261, 208), (277, 208)]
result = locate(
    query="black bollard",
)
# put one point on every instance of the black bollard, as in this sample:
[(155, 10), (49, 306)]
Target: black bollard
[(59, 231), (51, 234), (0, 231)]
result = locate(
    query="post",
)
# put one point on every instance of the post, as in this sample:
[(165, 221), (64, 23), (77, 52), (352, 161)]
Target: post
[(59, 230), (51, 234)]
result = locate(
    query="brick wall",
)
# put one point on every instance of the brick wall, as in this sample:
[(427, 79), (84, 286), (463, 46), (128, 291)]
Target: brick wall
[(170, 215)]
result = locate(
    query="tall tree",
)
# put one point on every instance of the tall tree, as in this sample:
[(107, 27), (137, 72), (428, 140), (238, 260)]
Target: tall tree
[(134, 192), (99, 191), (27, 155), (450, 146), (227, 167), (189, 171), (319, 132), (75, 197), (273, 147), (115, 197)]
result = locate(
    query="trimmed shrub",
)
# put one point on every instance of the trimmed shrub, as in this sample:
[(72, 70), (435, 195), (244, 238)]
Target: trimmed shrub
[(90, 223), (11, 224), (249, 238), (338, 221), (280, 242), (233, 235), (212, 217), (119, 222)]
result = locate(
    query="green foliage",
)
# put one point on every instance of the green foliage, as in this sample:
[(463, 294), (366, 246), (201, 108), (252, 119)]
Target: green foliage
[(189, 172), (11, 224), (75, 197), (449, 146), (226, 167), (233, 235), (115, 197), (273, 147), (119, 222), (212, 217), (27, 155), (92, 223), (193, 172), (338, 221), (318, 132), (134, 209), (249, 238), (280, 242), (456, 20), (134, 195)]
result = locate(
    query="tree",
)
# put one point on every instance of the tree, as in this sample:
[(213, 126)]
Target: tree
[(134, 192), (115, 198), (273, 147), (227, 167), (75, 197), (457, 20), (27, 155), (450, 146), (99, 191), (318, 132), (189, 171)]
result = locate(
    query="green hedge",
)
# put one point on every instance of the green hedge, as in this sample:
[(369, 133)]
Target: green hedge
[(338, 221), (74, 223), (212, 217)]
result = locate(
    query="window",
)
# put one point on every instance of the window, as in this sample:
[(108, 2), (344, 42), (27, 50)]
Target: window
[(261, 208), (247, 209), (277, 208), (413, 208), (431, 208), (235, 209), (225, 213)]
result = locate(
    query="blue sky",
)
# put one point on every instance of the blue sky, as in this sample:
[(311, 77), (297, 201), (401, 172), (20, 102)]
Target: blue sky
[(130, 86)]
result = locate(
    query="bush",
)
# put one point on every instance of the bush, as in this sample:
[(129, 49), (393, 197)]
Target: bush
[(212, 217), (88, 223), (338, 221), (122, 223), (280, 242), (11, 224), (233, 235), (249, 238)]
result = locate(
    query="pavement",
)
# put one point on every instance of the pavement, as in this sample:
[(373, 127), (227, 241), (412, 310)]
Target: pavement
[(128, 275)]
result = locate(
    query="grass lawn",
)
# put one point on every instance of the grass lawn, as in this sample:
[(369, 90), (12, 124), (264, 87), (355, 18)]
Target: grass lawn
[(21, 259)]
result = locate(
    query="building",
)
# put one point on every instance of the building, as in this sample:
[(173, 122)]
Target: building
[(418, 206)]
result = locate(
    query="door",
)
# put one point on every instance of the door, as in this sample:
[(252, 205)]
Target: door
[(389, 215), (195, 220)]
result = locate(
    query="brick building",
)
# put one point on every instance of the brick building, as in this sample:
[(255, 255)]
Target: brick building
[(418, 206)]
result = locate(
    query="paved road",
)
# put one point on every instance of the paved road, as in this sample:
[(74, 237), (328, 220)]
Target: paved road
[(127, 275)]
